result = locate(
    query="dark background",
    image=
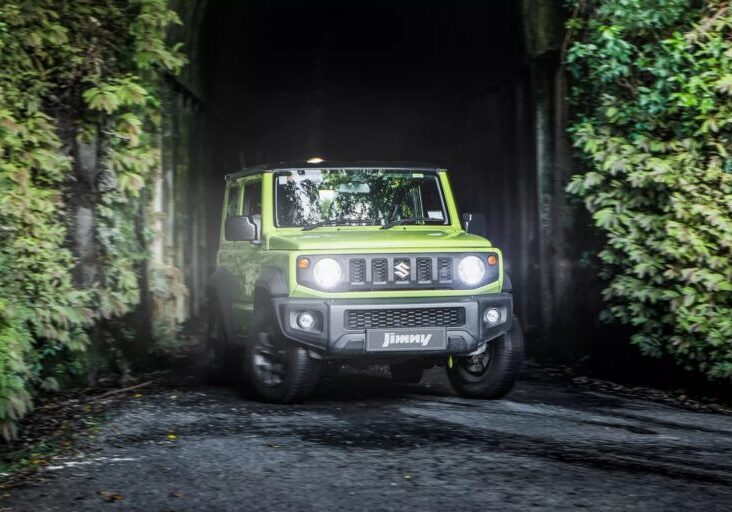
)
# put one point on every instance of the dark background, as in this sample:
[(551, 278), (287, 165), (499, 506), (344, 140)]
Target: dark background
[(410, 81), (348, 81), (476, 87)]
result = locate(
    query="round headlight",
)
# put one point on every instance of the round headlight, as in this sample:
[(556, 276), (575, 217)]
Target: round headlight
[(471, 270), (327, 273)]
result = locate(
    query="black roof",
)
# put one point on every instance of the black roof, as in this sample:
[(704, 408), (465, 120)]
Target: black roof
[(283, 166)]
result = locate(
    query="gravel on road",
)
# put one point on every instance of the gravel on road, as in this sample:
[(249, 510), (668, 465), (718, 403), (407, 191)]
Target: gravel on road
[(365, 443)]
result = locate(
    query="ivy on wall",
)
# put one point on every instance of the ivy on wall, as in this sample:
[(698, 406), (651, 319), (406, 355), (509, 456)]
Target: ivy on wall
[(652, 95), (72, 74)]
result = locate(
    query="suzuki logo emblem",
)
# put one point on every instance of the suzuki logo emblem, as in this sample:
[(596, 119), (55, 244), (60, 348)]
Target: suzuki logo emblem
[(401, 270)]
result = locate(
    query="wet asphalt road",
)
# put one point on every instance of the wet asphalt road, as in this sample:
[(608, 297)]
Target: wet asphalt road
[(364, 443)]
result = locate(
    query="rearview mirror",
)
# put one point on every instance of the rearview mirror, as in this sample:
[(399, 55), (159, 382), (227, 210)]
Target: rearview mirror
[(474, 223), (240, 229)]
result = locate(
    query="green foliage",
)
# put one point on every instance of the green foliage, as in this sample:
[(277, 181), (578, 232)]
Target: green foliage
[(15, 352), (71, 71), (166, 339), (651, 90)]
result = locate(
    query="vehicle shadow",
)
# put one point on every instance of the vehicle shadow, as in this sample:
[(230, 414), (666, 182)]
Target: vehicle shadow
[(351, 386)]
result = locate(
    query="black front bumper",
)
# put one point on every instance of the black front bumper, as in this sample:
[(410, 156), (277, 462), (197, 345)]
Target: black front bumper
[(332, 337)]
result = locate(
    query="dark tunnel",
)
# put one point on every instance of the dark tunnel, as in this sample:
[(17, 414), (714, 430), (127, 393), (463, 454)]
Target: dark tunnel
[(376, 81), (441, 83), (475, 87)]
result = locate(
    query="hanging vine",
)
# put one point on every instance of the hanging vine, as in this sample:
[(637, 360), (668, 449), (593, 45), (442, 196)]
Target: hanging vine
[(72, 73)]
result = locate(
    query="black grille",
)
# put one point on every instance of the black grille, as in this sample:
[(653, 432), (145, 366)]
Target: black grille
[(424, 270), (357, 270), (444, 269), (393, 318), (379, 270)]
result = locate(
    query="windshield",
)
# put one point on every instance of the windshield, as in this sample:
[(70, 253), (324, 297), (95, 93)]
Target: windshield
[(307, 197)]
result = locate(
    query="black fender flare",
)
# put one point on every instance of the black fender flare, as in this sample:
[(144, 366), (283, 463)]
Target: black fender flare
[(272, 283), (507, 284)]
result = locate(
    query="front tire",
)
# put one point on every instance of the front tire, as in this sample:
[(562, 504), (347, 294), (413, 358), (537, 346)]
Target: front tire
[(279, 371), (492, 374)]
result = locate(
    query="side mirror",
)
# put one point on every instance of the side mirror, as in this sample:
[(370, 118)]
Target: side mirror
[(474, 223), (240, 229)]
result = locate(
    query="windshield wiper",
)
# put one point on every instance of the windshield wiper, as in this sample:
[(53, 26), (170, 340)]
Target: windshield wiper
[(336, 222), (407, 220)]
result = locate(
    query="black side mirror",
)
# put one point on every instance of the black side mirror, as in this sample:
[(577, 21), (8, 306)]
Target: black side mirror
[(240, 229), (474, 223)]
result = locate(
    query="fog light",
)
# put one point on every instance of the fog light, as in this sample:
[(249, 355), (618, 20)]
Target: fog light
[(491, 316), (305, 320)]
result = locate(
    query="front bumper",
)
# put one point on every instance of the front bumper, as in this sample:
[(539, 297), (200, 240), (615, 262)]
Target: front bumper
[(333, 336)]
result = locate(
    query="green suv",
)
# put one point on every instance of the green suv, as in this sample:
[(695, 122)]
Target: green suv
[(356, 263)]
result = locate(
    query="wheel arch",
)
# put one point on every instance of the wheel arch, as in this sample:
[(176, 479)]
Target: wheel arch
[(271, 283), (507, 284)]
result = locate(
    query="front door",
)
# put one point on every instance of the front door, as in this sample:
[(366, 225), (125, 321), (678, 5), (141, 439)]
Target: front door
[(243, 259)]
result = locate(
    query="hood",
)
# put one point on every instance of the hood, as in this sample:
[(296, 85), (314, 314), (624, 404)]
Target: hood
[(389, 239)]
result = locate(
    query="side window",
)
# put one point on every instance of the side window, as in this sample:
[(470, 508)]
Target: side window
[(253, 198), (232, 201)]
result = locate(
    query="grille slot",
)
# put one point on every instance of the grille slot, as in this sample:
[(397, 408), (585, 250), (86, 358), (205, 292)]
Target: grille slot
[(394, 318), (424, 270), (402, 271), (444, 270), (357, 270), (379, 270)]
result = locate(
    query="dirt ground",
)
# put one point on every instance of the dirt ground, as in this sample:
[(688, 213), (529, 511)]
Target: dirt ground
[(365, 443)]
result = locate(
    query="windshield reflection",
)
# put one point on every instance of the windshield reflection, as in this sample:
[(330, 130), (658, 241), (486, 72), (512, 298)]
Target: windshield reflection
[(314, 197)]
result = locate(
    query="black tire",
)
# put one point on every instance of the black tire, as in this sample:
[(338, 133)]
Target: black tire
[(408, 372), (218, 363), (278, 370), (490, 375)]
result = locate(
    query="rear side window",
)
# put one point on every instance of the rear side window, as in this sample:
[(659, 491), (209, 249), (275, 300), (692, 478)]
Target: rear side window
[(253, 198), (233, 204)]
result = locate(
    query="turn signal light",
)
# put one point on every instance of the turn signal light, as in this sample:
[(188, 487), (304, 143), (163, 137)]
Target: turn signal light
[(303, 263), (492, 260)]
